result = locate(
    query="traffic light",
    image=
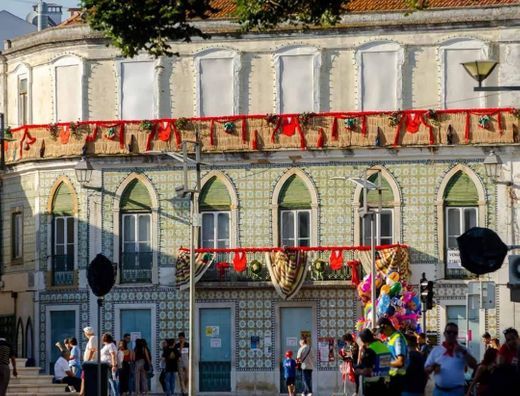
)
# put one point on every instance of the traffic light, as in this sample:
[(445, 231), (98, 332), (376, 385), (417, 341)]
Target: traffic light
[(429, 295), (426, 289)]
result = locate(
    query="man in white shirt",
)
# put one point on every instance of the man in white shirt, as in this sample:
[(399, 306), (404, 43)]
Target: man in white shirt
[(447, 362), (63, 374)]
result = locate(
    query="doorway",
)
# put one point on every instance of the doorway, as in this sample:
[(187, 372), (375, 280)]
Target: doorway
[(294, 322), (62, 325), (215, 350)]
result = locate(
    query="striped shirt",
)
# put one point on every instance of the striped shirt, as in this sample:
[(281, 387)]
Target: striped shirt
[(6, 351)]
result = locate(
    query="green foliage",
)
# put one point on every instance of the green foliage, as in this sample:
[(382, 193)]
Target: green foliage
[(151, 25), (135, 25)]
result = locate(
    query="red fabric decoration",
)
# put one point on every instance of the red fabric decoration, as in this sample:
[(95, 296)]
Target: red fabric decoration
[(164, 131), (64, 134), (430, 129), (275, 129), (364, 129), (176, 133), (354, 264), (92, 137), (289, 125), (398, 131), (254, 142), (221, 268), (334, 131), (321, 138), (150, 137), (303, 144), (122, 135), (240, 261), (413, 122), (336, 260), (26, 141)]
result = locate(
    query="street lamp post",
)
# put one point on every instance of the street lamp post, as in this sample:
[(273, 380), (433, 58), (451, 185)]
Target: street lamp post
[(367, 185), (479, 70), (182, 192)]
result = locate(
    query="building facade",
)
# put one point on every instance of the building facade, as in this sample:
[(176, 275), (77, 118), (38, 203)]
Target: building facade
[(268, 182)]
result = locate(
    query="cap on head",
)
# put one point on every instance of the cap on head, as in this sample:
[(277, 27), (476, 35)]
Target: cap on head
[(288, 354), (88, 330)]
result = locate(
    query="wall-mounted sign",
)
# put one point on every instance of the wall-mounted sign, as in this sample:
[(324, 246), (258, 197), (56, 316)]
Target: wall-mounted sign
[(212, 331), (453, 259)]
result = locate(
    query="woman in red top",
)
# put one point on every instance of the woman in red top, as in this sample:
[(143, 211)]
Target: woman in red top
[(508, 353)]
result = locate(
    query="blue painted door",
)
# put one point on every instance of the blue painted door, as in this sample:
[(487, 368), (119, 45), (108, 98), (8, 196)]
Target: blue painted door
[(137, 320), (295, 322), (63, 325), (215, 350)]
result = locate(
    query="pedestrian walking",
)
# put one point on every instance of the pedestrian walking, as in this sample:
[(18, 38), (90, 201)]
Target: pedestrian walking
[(415, 377), (109, 356), (90, 353), (142, 367), (183, 349), (171, 358), (75, 357), (447, 362), (131, 373), (6, 354), (482, 377), (124, 371), (305, 358), (289, 373), (486, 340), (423, 345)]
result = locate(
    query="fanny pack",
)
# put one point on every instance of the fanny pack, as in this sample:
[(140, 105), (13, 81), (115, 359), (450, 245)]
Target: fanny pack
[(446, 389)]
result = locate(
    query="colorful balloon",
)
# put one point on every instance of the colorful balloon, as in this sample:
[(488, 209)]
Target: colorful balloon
[(385, 289), (395, 289)]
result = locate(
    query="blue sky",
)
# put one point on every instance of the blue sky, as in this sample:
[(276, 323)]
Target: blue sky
[(21, 8)]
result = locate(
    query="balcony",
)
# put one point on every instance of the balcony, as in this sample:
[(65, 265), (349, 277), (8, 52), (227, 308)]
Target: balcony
[(222, 271), (62, 270), (135, 267)]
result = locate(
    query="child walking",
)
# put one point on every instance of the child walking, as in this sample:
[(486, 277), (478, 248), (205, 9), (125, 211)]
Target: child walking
[(289, 371)]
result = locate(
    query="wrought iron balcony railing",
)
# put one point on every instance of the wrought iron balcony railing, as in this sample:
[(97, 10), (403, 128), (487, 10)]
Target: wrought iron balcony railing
[(136, 267), (62, 270)]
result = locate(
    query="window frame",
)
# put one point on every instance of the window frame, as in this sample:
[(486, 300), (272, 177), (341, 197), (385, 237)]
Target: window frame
[(23, 100), (296, 230), (384, 210), (158, 67), (460, 44), (215, 215), (137, 242), (17, 230), (378, 47), (218, 53), (65, 233), (316, 55), (71, 60), (461, 210)]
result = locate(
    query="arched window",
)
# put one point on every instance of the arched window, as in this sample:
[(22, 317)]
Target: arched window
[(63, 211), (20, 345), (384, 220), (136, 239), (295, 203), (29, 352), (215, 208), (461, 203)]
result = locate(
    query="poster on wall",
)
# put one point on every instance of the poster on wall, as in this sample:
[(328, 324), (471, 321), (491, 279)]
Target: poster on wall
[(212, 331), (216, 343), (134, 335), (326, 349), (291, 341)]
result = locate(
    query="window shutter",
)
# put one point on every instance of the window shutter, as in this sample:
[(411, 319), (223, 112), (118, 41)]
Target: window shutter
[(461, 191), (62, 203), (373, 195), (214, 196), (135, 198), (294, 194)]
